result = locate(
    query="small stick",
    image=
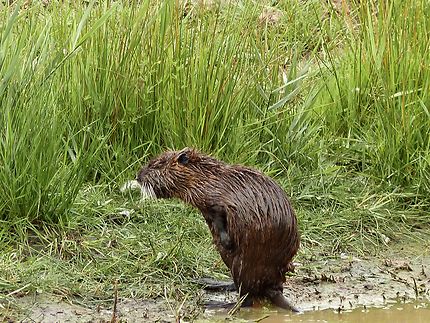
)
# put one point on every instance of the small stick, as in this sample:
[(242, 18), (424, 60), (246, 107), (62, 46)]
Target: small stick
[(415, 287), (261, 318), (115, 304), (237, 306)]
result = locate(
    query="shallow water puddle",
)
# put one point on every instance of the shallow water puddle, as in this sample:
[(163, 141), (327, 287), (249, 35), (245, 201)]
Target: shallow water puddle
[(391, 313)]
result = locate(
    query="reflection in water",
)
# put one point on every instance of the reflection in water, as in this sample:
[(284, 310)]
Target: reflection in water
[(391, 313)]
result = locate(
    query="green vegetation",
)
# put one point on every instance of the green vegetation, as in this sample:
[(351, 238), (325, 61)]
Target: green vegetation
[(333, 103)]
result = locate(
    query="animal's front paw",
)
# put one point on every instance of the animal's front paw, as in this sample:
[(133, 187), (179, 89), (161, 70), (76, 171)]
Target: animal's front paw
[(226, 241)]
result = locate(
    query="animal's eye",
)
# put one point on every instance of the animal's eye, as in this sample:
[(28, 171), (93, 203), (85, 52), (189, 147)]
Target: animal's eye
[(183, 159)]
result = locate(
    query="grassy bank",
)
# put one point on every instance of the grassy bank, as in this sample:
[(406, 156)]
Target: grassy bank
[(332, 102)]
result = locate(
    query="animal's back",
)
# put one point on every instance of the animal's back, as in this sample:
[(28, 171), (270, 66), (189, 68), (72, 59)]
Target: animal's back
[(263, 227)]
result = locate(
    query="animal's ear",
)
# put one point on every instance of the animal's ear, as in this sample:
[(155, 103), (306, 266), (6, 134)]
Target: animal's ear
[(183, 158)]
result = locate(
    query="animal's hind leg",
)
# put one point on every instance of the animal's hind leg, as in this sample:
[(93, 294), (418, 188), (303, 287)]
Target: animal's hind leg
[(277, 298)]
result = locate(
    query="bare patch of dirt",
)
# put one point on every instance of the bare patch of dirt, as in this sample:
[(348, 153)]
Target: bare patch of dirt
[(350, 282)]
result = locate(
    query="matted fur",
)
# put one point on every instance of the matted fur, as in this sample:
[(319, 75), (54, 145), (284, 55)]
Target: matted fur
[(261, 235)]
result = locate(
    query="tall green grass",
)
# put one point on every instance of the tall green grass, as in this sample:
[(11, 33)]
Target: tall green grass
[(44, 159), (377, 107), (88, 91), (318, 99)]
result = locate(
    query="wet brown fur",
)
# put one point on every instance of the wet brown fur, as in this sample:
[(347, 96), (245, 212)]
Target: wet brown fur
[(251, 220)]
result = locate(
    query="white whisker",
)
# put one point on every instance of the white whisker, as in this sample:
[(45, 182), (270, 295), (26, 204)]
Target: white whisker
[(130, 185), (147, 191)]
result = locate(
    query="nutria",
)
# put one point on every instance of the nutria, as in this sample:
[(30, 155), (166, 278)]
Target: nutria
[(251, 220)]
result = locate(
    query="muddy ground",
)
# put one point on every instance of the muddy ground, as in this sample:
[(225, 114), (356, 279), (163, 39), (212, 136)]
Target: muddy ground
[(341, 283)]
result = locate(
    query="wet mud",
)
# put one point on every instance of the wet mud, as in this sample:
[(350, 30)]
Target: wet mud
[(346, 285)]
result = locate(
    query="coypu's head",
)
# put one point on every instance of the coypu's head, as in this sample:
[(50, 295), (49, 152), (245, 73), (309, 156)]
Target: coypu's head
[(175, 174)]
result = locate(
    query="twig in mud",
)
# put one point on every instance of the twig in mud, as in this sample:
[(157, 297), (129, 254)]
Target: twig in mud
[(115, 304), (404, 281), (237, 306), (415, 287), (396, 277), (261, 318)]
